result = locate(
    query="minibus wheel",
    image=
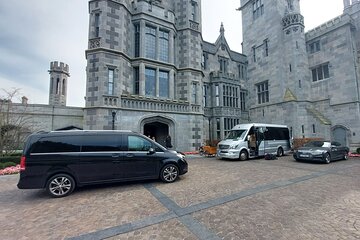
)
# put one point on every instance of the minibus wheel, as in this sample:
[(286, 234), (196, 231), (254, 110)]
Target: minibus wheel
[(280, 152), (60, 185), (243, 155)]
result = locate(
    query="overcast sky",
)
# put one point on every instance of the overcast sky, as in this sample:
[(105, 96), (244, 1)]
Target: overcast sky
[(35, 32)]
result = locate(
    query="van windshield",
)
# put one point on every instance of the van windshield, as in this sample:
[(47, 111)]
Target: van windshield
[(236, 134)]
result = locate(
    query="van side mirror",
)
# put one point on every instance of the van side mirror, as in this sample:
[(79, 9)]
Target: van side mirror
[(151, 151)]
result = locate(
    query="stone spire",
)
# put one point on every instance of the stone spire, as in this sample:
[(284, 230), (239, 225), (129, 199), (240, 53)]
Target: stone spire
[(222, 30)]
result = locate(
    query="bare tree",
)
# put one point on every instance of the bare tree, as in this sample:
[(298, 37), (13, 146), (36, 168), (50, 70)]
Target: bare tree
[(14, 122)]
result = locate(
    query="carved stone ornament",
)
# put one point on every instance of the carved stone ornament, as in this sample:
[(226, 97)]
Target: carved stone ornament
[(94, 43)]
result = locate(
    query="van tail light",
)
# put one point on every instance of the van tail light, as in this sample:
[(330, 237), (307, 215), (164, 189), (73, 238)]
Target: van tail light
[(22, 163)]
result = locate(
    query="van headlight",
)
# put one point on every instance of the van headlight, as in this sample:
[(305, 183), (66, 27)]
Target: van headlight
[(234, 146)]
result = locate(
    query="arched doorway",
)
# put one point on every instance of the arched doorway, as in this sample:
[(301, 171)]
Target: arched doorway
[(158, 130), (339, 134), (158, 127)]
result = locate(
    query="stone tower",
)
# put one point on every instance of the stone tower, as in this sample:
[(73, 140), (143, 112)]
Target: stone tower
[(189, 48), (59, 73), (274, 41)]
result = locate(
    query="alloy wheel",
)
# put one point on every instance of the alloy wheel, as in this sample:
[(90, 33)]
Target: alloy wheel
[(169, 173), (327, 158), (60, 185)]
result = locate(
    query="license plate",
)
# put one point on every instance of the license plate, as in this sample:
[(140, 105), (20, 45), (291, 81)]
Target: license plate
[(304, 155)]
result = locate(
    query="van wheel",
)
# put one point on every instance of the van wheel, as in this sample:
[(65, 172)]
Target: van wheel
[(169, 173), (243, 155), (60, 185), (280, 152)]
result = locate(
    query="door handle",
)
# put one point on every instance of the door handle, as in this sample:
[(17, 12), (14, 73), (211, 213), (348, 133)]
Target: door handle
[(115, 155), (129, 155)]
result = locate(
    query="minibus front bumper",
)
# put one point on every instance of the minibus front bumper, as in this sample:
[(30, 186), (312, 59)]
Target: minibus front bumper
[(228, 153)]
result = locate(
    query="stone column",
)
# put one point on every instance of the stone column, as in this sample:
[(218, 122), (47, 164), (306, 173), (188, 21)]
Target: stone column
[(142, 79), (157, 83), (142, 39), (171, 84), (171, 47), (157, 57)]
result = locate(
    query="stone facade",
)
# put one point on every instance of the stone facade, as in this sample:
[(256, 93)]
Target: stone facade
[(310, 80), (150, 71)]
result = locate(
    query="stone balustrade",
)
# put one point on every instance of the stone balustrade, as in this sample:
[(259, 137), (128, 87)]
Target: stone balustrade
[(156, 104)]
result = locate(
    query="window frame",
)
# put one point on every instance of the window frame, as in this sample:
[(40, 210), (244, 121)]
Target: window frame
[(263, 92), (164, 90), (151, 84), (111, 81), (320, 72), (150, 41)]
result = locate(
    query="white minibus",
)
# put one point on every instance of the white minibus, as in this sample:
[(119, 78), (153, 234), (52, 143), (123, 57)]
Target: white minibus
[(253, 140)]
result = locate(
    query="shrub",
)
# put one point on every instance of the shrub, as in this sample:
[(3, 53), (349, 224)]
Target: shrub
[(15, 159), (9, 164)]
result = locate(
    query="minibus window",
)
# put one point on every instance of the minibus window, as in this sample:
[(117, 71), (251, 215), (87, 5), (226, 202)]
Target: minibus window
[(236, 134)]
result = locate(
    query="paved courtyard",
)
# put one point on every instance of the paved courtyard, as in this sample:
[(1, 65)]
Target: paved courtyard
[(216, 199)]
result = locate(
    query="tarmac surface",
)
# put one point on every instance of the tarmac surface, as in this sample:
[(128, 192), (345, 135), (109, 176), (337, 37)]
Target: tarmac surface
[(216, 199)]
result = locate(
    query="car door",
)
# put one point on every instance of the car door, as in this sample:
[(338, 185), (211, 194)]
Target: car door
[(96, 161), (137, 161), (337, 150), (260, 141)]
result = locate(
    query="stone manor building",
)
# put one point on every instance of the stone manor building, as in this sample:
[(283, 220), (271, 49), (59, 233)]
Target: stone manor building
[(149, 70), (306, 80)]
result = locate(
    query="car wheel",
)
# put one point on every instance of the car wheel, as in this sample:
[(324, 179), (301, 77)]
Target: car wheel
[(346, 156), (280, 152), (169, 173), (243, 155), (60, 185), (327, 158)]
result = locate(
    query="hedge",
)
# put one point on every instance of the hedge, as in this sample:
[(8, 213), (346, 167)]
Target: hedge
[(7, 164), (15, 159)]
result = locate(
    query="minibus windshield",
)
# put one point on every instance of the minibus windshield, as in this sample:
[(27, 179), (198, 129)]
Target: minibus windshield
[(236, 134)]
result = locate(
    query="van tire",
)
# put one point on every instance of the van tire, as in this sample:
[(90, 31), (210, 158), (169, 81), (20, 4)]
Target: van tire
[(169, 173), (280, 152), (60, 185), (243, 155)]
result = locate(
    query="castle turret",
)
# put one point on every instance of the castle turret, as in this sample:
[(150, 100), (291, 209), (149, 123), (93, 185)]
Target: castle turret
[(274, 41), (59, 72)]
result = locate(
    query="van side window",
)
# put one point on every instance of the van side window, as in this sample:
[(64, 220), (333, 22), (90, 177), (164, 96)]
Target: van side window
[(102, 143), (136, 143), (56, 144)]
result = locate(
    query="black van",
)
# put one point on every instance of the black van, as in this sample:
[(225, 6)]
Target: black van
[(62, 160)]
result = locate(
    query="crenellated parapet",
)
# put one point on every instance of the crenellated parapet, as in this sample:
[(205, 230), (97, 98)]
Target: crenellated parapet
[(329, 26), (59, 67)]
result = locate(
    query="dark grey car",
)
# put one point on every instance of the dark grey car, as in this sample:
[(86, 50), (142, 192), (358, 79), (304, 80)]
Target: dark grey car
[(324, 151)]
